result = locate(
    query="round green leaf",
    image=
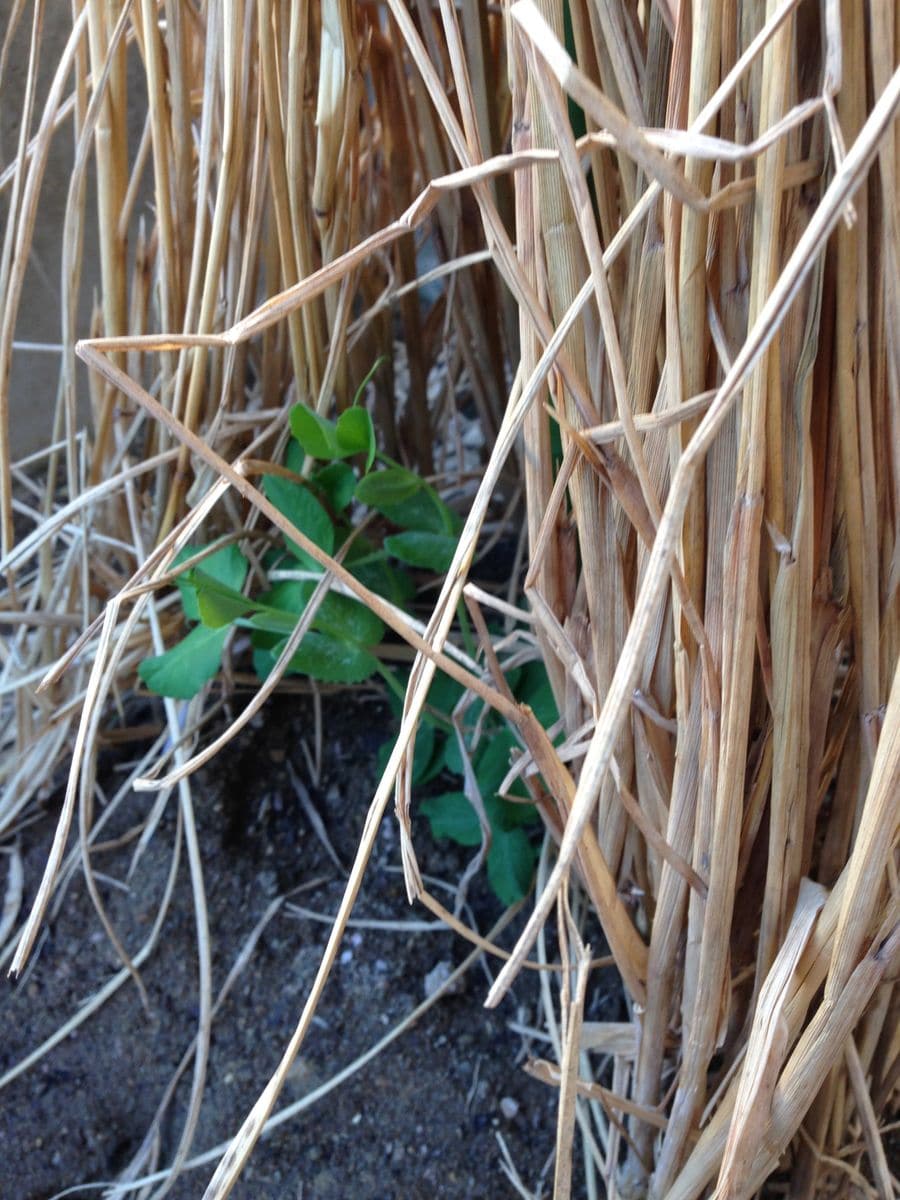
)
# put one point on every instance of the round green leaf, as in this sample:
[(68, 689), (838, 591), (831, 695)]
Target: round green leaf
[(450, 815), (220, 606), (183, 670), (355, 434), (337, 482), (227, 565), (493, 760), (425, 511), (331, 660), (510, 864), (348, 618), (504, 814), (316, 434), (299, 505), (432, 551), (390, 486), (534, 690), (424, 765), (381, 577)]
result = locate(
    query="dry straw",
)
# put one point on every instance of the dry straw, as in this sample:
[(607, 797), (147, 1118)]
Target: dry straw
[(675, 228)]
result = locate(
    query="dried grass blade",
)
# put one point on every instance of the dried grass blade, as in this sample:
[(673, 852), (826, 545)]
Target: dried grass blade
[(767, 1048), (842, 187), (565, 1127)]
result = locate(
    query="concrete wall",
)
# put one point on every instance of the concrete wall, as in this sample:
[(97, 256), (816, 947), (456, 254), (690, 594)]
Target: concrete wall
[(34, 378)]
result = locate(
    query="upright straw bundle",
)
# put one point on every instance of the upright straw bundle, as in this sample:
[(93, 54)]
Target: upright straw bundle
[(694, 216)]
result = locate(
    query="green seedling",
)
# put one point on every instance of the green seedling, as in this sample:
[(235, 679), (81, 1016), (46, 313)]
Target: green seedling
[(417, 531)]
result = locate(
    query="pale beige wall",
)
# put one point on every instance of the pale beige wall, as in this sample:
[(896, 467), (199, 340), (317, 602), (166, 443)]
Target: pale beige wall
[(34, 378)]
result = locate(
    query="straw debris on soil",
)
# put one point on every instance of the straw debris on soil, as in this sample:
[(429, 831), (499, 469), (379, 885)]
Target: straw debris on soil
[(654, 248)]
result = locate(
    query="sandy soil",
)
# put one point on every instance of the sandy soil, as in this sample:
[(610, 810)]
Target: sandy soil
[(419, 1120)]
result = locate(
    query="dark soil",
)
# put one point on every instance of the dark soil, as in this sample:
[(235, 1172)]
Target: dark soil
[(419, 1120)]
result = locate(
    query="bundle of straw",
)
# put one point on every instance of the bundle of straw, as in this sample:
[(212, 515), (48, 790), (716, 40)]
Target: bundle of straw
[(678, 226)]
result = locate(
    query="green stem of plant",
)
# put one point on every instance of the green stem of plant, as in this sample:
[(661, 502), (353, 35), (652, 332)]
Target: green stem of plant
[(465, 628), (429, 715), (392, 681)]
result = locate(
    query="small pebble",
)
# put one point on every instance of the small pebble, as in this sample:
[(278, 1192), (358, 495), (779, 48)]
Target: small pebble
[(267, 882), (438, 976), (346, 957), (509, 1107)]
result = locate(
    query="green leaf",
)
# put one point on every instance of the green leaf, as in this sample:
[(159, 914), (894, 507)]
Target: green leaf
[(320, 438), (331, 660), (510, 864), (504, 814), (281, 606), (344, 618), (355, 434), (321, 656), (273, 621), (263, 661), (424, 767), (294, 457), (390, 486), (287, 595), (220, 606), (534, 690), (217, 603), (337, 482), (453, 756), (316, 434), (183, 670), (444, 693), (264, 639), (511, 857), (556, 446), (493, 761), (433, 551), (371, 567), (425, 511), (450, 815), (382, 756), (348, 618), (299, 505), (227, 565), (426, 763)]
